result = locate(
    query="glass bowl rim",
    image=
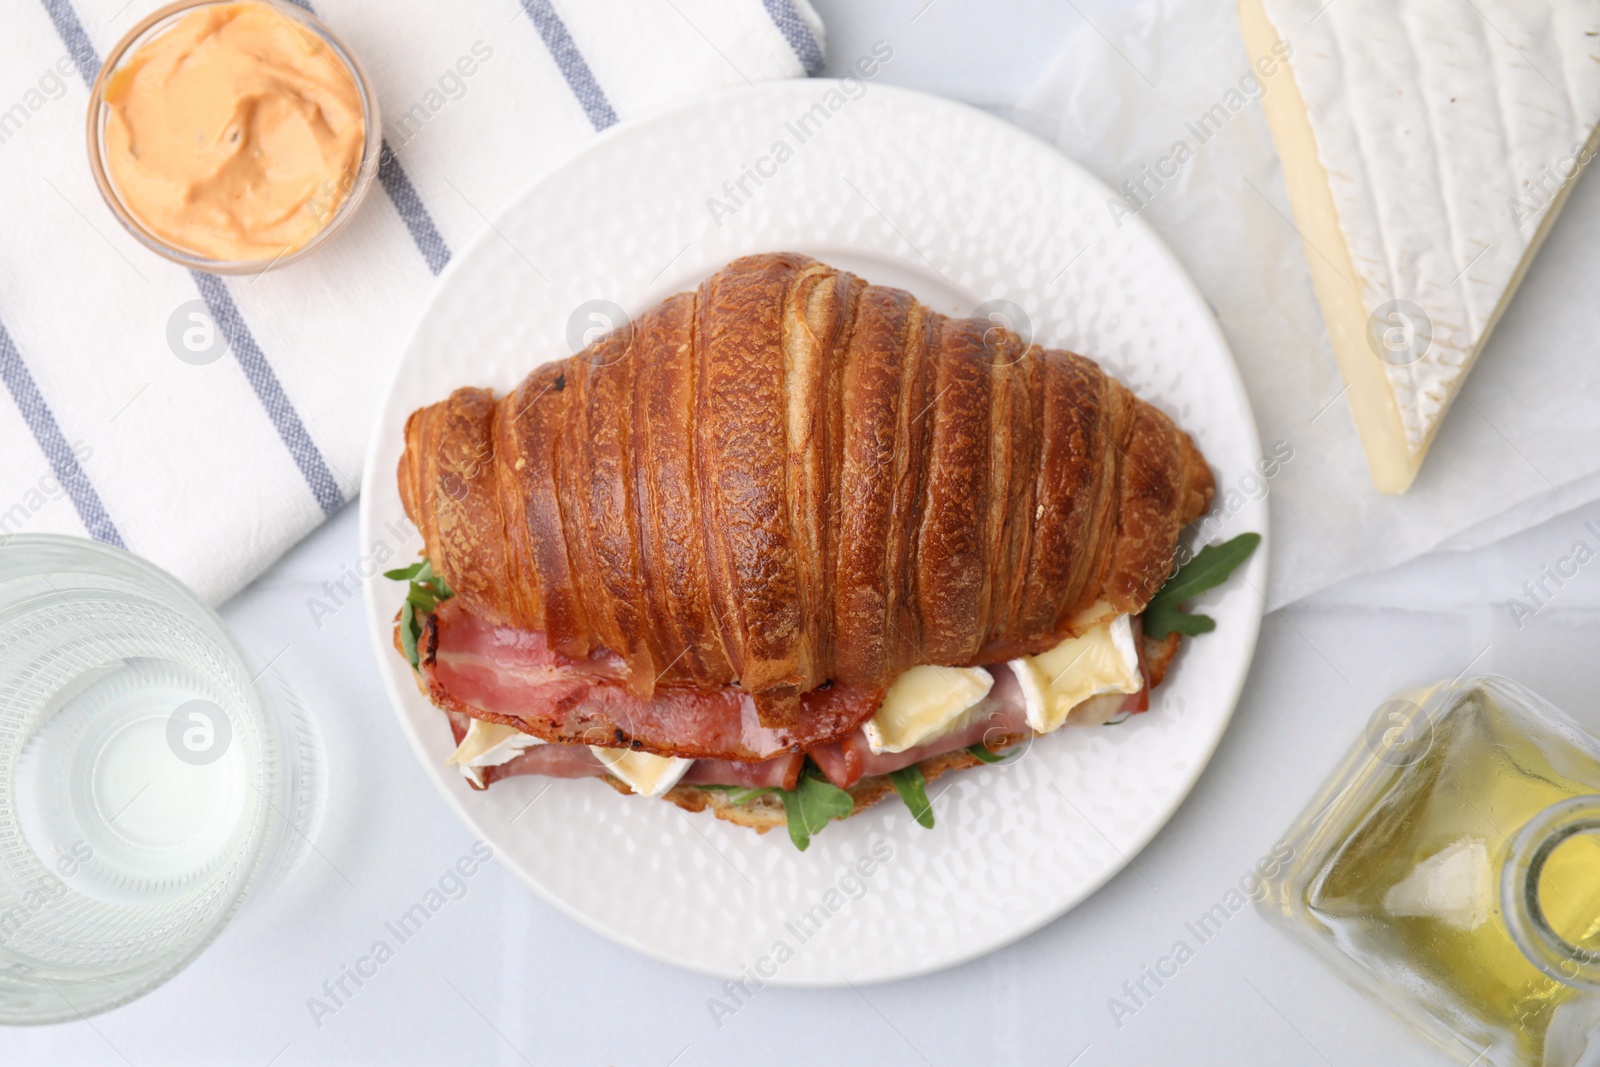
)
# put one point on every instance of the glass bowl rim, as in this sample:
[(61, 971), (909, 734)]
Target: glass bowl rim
[(366, 170)]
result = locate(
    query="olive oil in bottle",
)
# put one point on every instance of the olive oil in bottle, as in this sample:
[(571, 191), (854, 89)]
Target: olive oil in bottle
[(1451, 868)]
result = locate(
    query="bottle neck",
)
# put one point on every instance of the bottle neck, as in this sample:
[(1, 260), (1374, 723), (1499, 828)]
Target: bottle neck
[(1520, 883)]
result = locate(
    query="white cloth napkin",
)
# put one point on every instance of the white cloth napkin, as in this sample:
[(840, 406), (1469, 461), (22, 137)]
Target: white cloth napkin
[(1523, 442), (212, 469)]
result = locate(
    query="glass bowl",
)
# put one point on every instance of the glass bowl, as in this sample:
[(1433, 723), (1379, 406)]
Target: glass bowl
[(152, 26)]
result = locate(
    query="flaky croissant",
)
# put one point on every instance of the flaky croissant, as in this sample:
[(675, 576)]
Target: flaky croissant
[(791, 477)]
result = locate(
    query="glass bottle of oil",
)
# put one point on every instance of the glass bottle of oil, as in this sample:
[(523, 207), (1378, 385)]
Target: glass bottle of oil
[(1450, 869)]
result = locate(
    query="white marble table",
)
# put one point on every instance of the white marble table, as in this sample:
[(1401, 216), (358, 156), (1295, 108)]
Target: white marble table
[(499, 977)]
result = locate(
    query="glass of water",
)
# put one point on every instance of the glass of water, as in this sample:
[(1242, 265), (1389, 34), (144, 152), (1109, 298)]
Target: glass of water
[(149, 780)]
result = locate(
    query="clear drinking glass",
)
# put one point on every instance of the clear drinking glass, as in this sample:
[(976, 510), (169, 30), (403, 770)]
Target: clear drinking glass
[(148, 779), (1450, 869)]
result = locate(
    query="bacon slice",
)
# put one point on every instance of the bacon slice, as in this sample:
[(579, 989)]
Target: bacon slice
[(512, 676)]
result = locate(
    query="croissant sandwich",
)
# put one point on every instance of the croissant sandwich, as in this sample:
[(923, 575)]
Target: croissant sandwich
[(788, 542)]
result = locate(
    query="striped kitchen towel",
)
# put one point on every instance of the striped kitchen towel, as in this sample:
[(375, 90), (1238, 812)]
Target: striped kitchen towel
[(213, 468)]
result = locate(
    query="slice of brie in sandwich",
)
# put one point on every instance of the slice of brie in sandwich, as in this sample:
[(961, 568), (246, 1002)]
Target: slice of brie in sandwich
[(1102, 660), (924, 704), (1427, 146), (647, 775), (488, 744)]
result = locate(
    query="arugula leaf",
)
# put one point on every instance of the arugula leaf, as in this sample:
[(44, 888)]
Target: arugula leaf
[(409, 631), (913, 789), (738, 794), (425, 593), (1167, 619), (812, 804), (1208, 569), (981, 750)]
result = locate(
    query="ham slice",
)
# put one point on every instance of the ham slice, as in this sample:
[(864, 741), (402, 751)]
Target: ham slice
[(476, 669), (577, 761), (552, 761), (512, 676), (780, 773)]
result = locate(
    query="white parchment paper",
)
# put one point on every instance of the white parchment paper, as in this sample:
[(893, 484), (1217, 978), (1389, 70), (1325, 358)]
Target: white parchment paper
[(1522, 443)]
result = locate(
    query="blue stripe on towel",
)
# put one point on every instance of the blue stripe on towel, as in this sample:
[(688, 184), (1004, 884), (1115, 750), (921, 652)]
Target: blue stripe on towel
[(412, 212), (406, 201), (77, 42), (270, 391), (251, 360), (36, 413), (573, 66), (797, 33)]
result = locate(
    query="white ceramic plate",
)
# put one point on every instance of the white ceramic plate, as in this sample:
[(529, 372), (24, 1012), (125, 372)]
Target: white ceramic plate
[(959, 208)]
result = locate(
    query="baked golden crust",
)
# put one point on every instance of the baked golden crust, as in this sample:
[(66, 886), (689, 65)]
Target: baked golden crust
[(789, 477)]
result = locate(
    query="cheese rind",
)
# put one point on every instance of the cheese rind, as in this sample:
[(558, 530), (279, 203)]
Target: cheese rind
[(1427, 145), (1102, 660)]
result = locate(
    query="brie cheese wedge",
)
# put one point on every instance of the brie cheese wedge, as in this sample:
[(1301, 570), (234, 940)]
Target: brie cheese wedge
[(489, 744), (923, 704), (647, 775), (1103, 659), (1427, 146)]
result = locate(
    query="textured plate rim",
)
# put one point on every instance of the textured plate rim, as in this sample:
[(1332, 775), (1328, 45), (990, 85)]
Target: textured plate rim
[(380, 629)]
